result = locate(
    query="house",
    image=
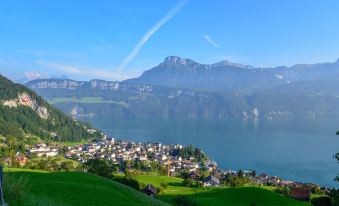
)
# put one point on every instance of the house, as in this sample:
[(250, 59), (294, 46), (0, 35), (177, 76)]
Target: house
[(211, 181), (218, 175), (51, 154), (300, 193), (6, 161), (275, 179), (286, 183), (193, 175), (22, 160), (262, 178), (150, 190)]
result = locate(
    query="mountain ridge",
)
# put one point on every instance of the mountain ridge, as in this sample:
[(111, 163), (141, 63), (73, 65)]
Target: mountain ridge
[(227, 76), (237, 93)]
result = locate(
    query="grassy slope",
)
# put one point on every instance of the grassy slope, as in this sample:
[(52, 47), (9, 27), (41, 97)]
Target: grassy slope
[(243, 196), (50, 188)]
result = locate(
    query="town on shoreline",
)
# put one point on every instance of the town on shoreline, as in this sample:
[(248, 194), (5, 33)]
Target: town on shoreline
[(174, 159)]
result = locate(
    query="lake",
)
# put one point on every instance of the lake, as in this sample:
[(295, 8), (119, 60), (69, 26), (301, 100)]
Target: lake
[(294, 149)]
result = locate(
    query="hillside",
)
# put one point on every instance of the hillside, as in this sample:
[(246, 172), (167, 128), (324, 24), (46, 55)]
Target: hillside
[(240, 196), (67, 188), (24, 113), (72, 188)]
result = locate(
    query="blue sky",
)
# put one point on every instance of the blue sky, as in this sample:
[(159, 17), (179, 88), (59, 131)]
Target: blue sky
[(98, 39)]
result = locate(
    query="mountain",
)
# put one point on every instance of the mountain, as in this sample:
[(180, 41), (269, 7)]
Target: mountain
[(226, 76), (182, 88), (24, 113), (125, 99)]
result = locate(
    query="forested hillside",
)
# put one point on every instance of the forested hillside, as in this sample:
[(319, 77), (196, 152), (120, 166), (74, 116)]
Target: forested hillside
[(24, 113)]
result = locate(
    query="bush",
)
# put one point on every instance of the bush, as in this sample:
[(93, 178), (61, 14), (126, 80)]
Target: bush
[(321, 201), (187, 182), (130, 182), (100, 167), (163, 185), (142, 185), (182, 200), (282, 190), (159, 190)]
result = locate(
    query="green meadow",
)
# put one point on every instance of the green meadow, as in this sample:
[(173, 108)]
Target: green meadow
[(208, 196), (72, 188), (40, 188)]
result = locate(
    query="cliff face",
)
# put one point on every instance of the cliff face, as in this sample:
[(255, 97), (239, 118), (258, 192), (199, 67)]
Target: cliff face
[(55, 84), (24, 99)]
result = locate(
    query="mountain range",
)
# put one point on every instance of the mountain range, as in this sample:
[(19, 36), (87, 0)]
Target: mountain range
[(180, 87)]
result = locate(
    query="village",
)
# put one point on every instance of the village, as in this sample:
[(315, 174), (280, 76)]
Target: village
[(118, 151)]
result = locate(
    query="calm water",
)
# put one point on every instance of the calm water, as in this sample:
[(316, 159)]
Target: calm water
[(296, 149)]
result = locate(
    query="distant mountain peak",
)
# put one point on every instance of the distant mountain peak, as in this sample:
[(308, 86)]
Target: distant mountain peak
[(179, 61), (175, 60), (229, 63)]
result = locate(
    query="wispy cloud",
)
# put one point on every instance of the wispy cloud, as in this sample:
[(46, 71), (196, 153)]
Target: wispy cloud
[(87, 71), (150, 32), (34, 75), (210, 41), (70, 69)]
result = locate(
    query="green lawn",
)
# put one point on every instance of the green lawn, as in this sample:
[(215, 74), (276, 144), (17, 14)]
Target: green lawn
[(243, 196), (73, 188)]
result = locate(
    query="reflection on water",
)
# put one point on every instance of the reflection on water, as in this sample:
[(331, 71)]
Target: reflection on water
[(297, 149)]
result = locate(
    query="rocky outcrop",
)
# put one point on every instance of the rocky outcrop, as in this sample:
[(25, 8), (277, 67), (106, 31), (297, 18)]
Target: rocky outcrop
[(25, 100)]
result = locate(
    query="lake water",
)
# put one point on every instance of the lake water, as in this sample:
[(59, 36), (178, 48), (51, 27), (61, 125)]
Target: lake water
[(295, 149)]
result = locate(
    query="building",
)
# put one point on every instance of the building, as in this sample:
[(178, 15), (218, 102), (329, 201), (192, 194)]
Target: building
[(150, 190), (300, 193), (22, 160), (211, 181)]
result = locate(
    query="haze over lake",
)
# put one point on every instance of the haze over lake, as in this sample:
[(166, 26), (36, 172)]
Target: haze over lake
[(295, 149)]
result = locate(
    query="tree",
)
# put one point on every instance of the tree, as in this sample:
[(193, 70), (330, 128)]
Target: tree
[(335, 197), (10, 150), (67, 166), (129, 174), (321, 201), (187, 182), (43, 164), (240, 173), (116, 169), (100, 167)]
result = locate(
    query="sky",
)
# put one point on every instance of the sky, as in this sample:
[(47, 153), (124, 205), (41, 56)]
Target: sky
[(116, 40)]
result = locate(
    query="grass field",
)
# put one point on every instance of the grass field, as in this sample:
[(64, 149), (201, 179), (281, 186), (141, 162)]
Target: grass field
[(243, 196), (72, 188)]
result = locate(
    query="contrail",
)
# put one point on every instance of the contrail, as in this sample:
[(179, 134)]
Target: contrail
[(150, 32), (210, 40)]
